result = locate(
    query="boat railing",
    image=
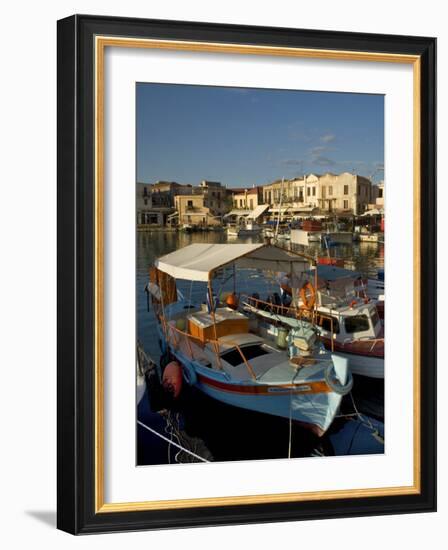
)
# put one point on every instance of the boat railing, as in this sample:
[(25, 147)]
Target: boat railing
[(278, 309), (176, 335), (301, 314)]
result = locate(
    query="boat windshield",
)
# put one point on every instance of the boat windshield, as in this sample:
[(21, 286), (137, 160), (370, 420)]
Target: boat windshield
[(356, 323)]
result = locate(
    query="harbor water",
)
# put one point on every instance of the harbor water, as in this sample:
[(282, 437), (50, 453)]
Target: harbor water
[(219, 432)]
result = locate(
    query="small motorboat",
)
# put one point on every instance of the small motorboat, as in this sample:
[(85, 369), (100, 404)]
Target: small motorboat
[(246, 228), (232, 357)]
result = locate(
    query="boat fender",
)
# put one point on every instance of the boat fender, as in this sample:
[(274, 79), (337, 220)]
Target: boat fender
[(308, 301), (190, 375), (172, 379), (232, 301), (338, 376)]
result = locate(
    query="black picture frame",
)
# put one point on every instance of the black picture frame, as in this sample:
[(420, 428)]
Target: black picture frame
[(76, 258)]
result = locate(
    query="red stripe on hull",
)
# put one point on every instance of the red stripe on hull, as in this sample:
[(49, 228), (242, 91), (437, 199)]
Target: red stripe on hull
[(248, 389), (358, 347)]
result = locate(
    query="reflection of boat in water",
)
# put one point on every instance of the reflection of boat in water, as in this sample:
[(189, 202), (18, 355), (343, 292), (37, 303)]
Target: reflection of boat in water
[(232, 357), (371, 237)]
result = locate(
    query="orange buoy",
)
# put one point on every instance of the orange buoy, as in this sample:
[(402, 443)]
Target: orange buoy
[(232, 301), (308, 295), (172, 378)]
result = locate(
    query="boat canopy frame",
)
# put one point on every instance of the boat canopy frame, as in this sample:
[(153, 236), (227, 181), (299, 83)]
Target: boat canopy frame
[(199, 261)]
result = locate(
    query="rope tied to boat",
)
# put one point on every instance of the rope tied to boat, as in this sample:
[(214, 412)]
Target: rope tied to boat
[(171, 442)]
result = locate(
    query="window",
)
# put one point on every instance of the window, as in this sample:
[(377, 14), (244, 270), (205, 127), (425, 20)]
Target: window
[(327, 322), (380, 193), (308, 191), (251, 202), (345, 205), (330, 189), (345, 189), (357, 323), (190, 204), (145, 192), (314, 191), (146, 202)]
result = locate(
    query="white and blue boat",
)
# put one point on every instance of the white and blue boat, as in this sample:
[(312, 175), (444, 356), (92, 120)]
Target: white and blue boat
[(234, 357)]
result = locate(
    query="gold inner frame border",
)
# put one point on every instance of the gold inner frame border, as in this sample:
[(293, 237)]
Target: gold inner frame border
[(101, 42)]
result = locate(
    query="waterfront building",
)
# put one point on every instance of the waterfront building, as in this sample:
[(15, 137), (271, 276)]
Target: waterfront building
[(344, 193), (155, 201), (379, 199), (202, 205), (247, 199)]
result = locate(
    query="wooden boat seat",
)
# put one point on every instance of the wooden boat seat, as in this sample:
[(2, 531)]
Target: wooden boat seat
[(205, 326)]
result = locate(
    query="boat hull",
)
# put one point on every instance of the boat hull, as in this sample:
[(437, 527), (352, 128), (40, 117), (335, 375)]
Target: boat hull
[(311, 404), (243, 232), (316, 414), (362, 364)]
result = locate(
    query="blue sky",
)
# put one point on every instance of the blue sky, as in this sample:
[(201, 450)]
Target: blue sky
[(244, 137)]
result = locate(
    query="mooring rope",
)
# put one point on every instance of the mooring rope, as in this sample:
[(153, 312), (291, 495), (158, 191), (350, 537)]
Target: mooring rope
[(170, 442)]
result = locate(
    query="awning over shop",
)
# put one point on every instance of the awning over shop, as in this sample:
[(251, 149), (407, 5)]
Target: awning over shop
[(259, 210), (277, 210), (304, 209), (237, 212)]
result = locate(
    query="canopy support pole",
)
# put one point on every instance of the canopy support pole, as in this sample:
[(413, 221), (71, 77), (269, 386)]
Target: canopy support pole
[(212, 308)]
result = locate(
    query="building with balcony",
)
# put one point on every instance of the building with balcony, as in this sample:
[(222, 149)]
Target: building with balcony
[(155, 201), (203, 205), (343, 193)]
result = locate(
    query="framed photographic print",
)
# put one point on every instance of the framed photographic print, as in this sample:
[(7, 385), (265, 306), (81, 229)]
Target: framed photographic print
[(235, 204)]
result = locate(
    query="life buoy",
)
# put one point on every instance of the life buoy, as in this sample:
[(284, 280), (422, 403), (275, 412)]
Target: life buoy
[(308, 300), (232, 301), (172, 379)]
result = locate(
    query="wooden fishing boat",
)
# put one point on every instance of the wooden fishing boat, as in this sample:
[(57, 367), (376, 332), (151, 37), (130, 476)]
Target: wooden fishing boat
[(231, 356), (336, 300)]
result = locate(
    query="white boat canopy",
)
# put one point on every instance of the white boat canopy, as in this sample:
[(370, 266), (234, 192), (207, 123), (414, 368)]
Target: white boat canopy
[(258, 211), (198, 261)]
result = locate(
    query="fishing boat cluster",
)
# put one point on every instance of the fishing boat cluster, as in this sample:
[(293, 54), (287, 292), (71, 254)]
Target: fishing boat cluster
[(327, 231), (291, 353)]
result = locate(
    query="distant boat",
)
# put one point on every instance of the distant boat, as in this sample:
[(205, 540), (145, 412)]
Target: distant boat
[(244, 229), (371, 237), (233, 358), (305, 237)]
